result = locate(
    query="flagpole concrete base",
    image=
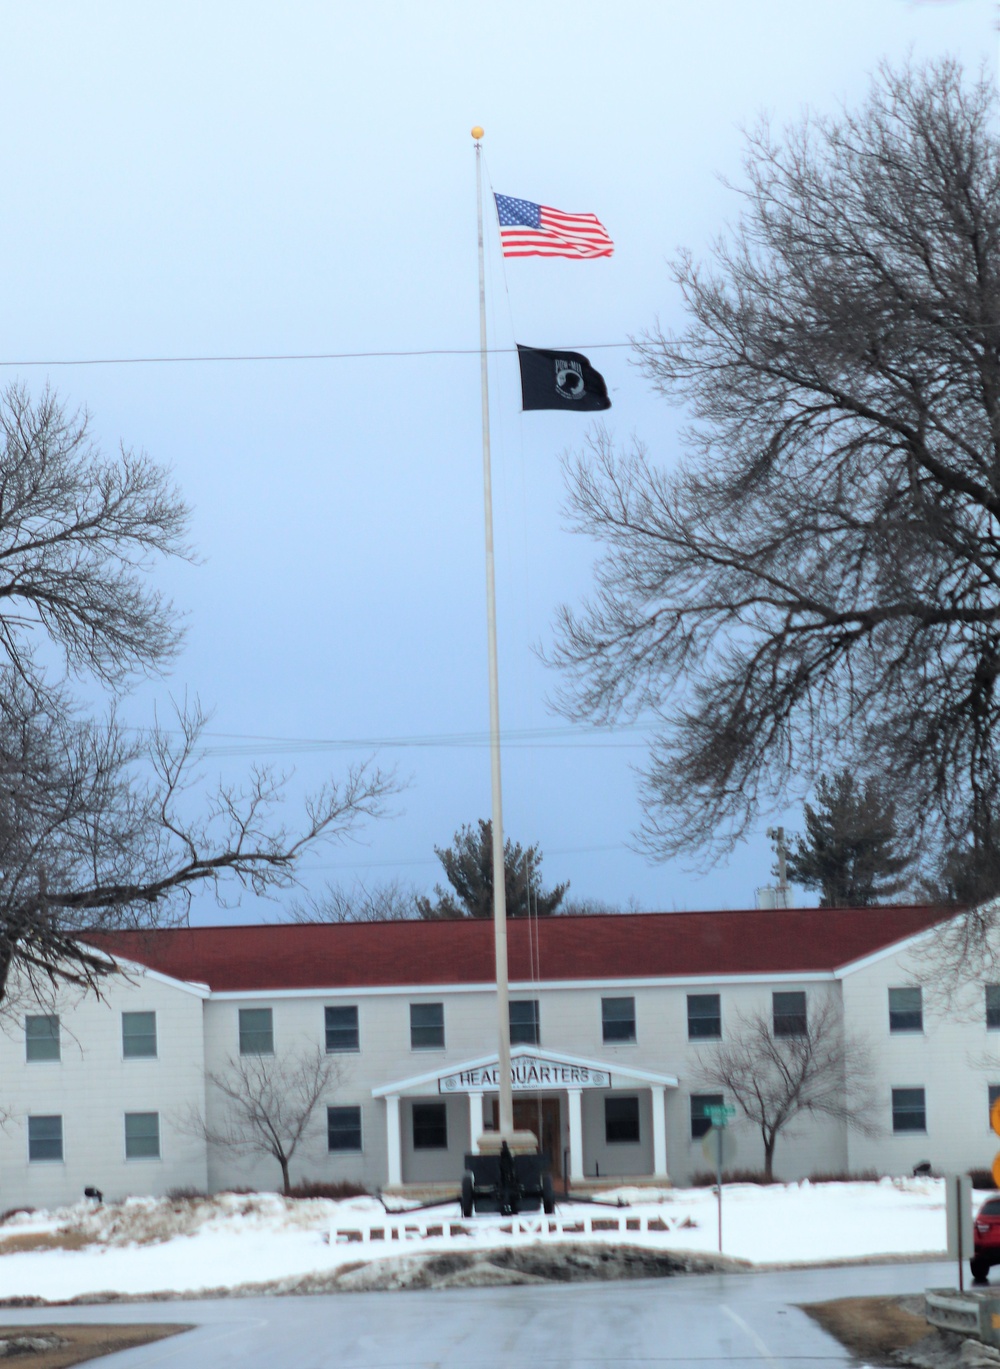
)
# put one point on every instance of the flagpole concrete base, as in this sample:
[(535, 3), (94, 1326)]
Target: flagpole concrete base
[(518, 1142)]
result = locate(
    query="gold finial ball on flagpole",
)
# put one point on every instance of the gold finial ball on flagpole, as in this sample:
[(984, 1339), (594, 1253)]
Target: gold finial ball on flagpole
[(477, 133)]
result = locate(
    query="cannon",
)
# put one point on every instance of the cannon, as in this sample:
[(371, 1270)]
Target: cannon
[(507, 1183)]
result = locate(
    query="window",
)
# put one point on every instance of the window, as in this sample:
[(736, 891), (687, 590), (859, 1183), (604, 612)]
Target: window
[(906, 1010), (45, 1141), (700, 1120), (256, 1031), (343, 1129), (994, 1094), (909, 1110), (430, 1126), (789, 1013), (41, 1038), (704, 1016), (142, 1136), (138, 1035), (621, 1120), (993, 1007), (524, 1023), (426, 1026), (618, 1019), (342, 1029)]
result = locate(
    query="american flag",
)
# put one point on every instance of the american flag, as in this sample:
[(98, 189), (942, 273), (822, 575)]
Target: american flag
[(535, 230)]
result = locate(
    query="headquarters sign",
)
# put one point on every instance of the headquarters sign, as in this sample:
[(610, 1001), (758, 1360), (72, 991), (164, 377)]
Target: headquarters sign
[(528, 1073)]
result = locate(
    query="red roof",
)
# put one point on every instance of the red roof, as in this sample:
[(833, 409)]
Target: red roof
[(614, 947)]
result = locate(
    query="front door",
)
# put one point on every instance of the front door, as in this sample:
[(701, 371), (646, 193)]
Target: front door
[(540, 1115)]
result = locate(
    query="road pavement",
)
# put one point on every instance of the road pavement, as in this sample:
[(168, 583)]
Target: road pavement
[(747, 1321)]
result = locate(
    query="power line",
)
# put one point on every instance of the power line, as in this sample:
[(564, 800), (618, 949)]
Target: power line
[(293, 356), (544, 738), (433, 860)]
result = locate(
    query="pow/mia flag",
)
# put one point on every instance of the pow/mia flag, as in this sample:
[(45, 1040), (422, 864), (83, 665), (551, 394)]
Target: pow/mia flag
[(560, 380)]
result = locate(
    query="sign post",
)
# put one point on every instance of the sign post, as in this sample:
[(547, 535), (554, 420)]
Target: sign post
[(719, 1116), (958, 1216)]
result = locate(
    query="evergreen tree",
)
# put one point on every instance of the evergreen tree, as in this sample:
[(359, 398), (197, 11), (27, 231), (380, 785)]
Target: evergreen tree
[(852, 850), (468, 865), (968, 871)]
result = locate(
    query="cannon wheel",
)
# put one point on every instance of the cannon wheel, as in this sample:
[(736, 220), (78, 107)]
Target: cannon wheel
[(468, 1201), (548, 1197)]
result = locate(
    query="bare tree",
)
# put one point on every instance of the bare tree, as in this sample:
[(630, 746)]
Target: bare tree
[(269, 1104), (818, 583), (99, 830), (775, 1078), (78, 536), (102, 826), (391, 901)]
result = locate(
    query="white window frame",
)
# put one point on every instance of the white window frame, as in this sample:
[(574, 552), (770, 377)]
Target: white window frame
[(142, 1159), (356, 1107), (57, 1038), (46, 1160), (142, 1012)]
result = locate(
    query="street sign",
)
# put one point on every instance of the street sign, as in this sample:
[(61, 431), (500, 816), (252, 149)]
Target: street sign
[(719, 1114)]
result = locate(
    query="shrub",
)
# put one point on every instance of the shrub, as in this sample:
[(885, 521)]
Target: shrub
[(705, 1178), (14, 1212), (862, 1176), (185, 1195), (312, 1188), (982, 1178)]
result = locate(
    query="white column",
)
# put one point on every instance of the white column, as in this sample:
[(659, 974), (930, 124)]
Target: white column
[(574, 1098), (659, 1094), (393, 1138), (475, 1121)]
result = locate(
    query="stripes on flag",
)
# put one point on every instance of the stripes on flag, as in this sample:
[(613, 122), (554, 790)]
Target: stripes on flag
[(535, 230)]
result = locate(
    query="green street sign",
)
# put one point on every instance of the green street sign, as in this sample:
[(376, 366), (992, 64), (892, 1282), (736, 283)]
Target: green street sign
[(719, 1115)]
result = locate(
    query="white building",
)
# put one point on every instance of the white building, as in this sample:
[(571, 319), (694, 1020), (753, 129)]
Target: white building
[(612, 1019)]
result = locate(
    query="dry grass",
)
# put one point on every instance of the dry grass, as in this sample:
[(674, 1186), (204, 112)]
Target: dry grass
[(43, 1240), (870, 1328), (85, 1342), (141, 1221)]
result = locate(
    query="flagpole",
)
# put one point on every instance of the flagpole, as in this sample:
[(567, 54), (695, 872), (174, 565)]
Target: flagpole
[(506, 1110)]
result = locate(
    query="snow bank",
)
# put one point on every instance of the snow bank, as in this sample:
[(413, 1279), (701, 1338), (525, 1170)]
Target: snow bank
[(147, 1246)]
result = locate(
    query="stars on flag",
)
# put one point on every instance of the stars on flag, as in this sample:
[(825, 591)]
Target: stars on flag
[(536, 230)]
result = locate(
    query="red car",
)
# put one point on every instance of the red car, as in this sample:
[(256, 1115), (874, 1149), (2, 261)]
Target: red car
[(985, 1240)]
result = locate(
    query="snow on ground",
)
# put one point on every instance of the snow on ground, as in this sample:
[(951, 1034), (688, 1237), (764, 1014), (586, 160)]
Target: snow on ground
[(145, 1245)]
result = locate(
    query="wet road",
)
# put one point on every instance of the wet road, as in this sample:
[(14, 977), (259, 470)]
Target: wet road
[(697, 1321)]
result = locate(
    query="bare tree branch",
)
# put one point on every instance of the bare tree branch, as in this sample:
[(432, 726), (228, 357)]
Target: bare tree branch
[(103, 829), (391, 901), (775, 1079), (78, 536), (818, 583), (268, 1103)]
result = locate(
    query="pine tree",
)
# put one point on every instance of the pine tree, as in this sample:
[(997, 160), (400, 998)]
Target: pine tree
[(852, 850), (468, 865)]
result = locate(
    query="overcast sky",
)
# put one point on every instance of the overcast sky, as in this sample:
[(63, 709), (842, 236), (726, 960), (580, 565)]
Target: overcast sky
[(240, 179)]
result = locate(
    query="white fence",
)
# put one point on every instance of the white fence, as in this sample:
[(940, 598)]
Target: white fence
[(530, 1226)]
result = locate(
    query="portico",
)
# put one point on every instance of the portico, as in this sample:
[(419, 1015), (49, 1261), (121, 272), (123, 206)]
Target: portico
[(543, 1075)]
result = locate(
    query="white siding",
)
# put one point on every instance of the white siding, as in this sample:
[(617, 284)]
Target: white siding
[(92, 1087)]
